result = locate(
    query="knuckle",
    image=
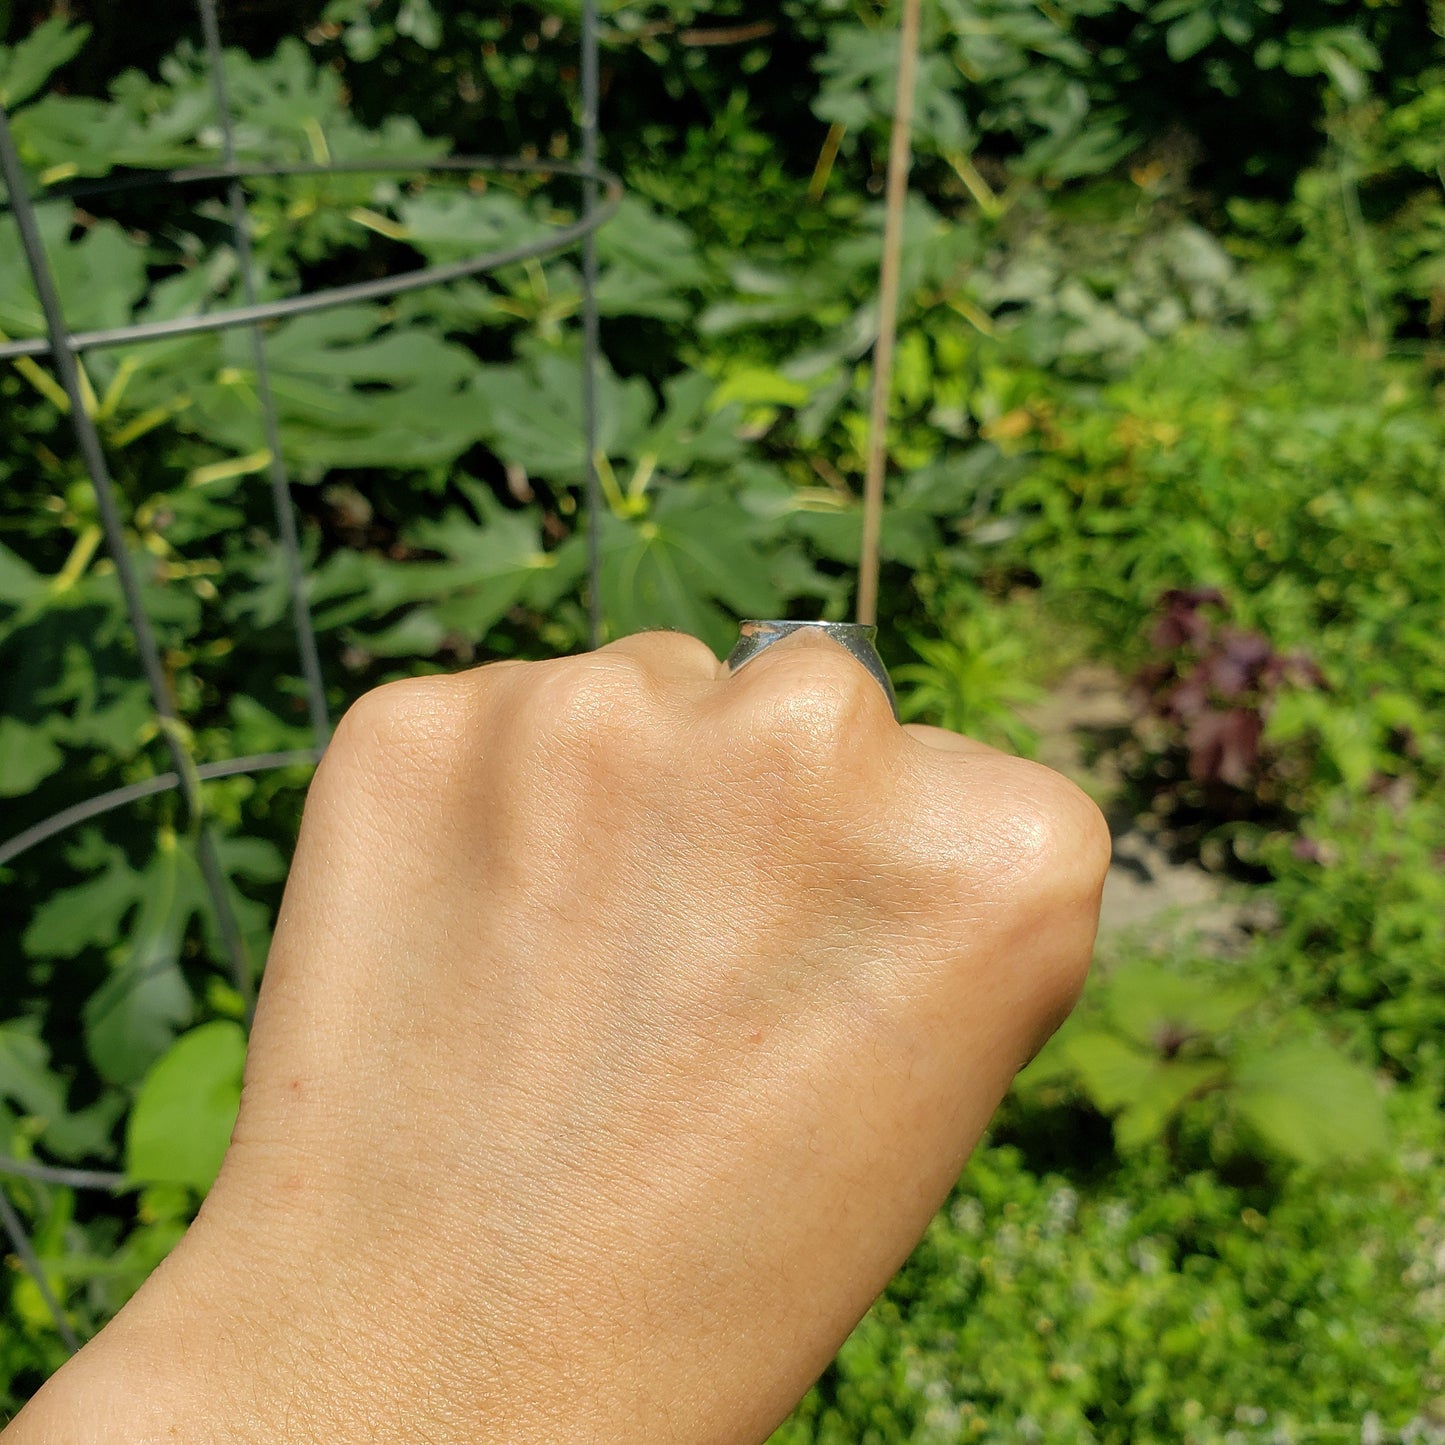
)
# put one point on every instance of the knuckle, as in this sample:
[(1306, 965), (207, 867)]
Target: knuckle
[(1082, 837), (410, 721), (395, 743), (1042, 848), (581, 702), (681, 649), (824, 704), (1061, 839)]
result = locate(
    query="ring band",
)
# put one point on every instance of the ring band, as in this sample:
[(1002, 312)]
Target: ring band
[(757, 637)]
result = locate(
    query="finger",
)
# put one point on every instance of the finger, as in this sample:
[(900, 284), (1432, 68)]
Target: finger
[(942, 740), (676, 656)]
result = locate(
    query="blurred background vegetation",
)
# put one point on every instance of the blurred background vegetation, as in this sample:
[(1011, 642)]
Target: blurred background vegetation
[(1167, 431)]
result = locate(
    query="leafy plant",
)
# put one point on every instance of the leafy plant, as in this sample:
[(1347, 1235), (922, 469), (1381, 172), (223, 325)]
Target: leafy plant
[(974, 680), (1152, 1044), (1171, 298), (1360, 895), (1208, 698), (181, 1122), (1144, 1309)]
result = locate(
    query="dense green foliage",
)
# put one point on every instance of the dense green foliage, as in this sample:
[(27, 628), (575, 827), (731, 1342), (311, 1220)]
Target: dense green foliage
[(1174, 283), (1155, 1308)]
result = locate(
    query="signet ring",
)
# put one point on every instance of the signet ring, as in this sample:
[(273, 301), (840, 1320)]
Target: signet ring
[(756, 637)]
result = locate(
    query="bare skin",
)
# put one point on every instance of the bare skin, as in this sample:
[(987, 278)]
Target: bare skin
[(624, 1026)]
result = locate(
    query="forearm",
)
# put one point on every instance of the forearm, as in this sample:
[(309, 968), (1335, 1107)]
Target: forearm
[(207, 1356)]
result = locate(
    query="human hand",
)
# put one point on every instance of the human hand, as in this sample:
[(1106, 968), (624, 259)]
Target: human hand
[(625, 1024)]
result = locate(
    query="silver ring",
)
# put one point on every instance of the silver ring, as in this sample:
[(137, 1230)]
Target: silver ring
[(757, 637)]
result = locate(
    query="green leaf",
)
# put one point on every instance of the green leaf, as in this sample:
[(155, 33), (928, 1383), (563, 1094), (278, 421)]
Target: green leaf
[(531, 412), (674, 567), (186, 1108), (417, 20), (25, 67), (28, 1081), (909, 537), (136, 1012), (860, 68), (26, 1078), (27, 756), (100, 276), (1188, 35), (451, 225), (141, 918), (1343, 53), (19, 582), (1146, 1001), (68, 662), (349, 393), (1312, 1104), (975, 680), (491, 566), (690, 429), (90, 913), (87, 1132), (1169, 1086), (1138, 1088), (1113, 1073), (648, 264)]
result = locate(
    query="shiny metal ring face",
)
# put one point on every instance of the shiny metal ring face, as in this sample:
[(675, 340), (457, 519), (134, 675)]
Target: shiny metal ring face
[(757, 637)]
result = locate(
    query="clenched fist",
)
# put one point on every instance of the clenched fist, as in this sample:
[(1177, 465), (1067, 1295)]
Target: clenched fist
[(625, 1024)]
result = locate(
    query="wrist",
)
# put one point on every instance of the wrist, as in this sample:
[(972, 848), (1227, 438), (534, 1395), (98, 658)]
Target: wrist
[(183, 1360), (292, 1325), (228, 1341)]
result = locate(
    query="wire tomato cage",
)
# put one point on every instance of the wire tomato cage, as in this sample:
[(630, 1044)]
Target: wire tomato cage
[(601, 196), (65, 348)]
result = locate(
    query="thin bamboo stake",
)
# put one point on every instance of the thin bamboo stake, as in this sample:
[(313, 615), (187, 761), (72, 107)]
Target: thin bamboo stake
[(899, 157)]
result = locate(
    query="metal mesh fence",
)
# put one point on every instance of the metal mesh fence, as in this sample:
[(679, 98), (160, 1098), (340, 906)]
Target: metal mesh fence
[(66, 349)]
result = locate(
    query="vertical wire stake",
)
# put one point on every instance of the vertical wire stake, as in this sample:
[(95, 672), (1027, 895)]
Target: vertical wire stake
[(899, 158), (14, 1227), (67, 365), (281, 502), (591, 344)]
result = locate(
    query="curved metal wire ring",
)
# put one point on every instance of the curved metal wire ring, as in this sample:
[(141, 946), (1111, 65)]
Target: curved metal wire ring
[(103, 803), (380, 288), (64, 347), (106, 1181)]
